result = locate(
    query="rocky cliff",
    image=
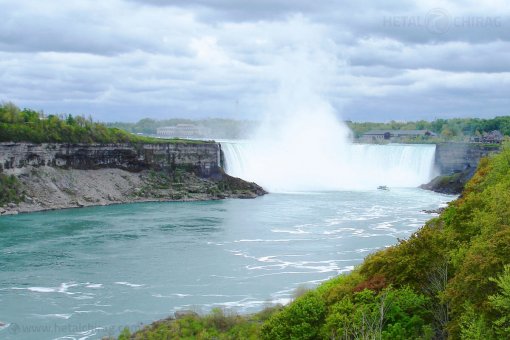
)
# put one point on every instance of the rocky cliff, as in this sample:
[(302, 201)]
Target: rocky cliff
[(203, 158), (456, 163), (55, 176), (457, 157)]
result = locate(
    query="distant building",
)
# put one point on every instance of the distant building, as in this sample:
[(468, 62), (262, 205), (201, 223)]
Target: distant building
[(493, 137), (180, 131), (379, 136)]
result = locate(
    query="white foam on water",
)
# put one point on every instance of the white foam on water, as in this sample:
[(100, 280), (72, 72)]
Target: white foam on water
[(42, 289), (128, 284), (53, 316), (94, 285), (171, 296), (63, 288)]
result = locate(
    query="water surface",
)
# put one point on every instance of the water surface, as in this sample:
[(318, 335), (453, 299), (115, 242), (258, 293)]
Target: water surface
[(88, 273)]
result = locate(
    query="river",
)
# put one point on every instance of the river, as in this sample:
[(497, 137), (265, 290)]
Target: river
[(90, 272)]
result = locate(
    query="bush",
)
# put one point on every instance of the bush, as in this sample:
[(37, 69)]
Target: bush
[(300, 320), (10, 190)]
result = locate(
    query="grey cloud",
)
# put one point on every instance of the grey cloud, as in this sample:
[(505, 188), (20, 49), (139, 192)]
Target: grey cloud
[(489, 57), (129, 59), (244, 9), (77, 27)]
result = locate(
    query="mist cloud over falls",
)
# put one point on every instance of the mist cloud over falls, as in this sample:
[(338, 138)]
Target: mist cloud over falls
[(303, 144)]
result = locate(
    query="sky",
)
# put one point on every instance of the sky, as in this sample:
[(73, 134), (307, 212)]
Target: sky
[(123, 60)]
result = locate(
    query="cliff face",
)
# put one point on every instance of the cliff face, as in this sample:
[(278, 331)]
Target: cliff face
[(55, 176), (457, 157), (456, 163), (202, 158)]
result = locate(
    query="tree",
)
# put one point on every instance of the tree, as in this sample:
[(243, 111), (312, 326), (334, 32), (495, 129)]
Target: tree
[(501, 303)]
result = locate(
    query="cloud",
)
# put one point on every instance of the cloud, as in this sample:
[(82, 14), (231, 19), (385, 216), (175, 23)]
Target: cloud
[(129, 59), (244, 10)]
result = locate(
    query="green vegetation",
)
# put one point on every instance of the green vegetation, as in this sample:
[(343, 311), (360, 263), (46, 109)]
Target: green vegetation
[(218, 324), (451, 279), (10, 190), (456, 129), (218, 127), (446, 129), (30, 126)]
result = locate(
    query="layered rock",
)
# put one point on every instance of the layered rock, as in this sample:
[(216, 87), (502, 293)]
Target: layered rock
[(456, 163), (55, 176), (203, 158), (457, 157)]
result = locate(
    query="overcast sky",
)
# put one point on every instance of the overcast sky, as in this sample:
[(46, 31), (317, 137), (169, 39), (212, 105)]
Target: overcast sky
[(129, 59)]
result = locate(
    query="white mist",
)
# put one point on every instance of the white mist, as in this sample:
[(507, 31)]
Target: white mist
[(302, 144)]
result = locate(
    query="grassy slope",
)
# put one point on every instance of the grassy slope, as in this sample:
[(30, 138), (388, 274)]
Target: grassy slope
[(451, 279)]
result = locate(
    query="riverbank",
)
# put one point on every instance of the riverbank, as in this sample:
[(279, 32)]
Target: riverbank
[(49, 188), (49, 176), (448, 280)]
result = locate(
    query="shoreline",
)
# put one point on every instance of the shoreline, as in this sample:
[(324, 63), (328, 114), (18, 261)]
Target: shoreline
[(14, 212), (49, 188), (12, 209)]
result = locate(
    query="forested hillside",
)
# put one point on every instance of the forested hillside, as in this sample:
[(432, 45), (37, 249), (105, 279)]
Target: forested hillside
[(451, 279), (446, 129), (31, 126)]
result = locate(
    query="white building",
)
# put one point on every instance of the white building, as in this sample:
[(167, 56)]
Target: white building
[(180, 131)]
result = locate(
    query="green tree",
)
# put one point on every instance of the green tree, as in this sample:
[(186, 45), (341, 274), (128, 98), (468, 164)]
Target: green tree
[(301, 320), (501, 303)]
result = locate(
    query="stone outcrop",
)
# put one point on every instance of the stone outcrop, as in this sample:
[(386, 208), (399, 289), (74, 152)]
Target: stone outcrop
[(57, 176), (202, 158), (452, 184), (457, 157), (456, 163)]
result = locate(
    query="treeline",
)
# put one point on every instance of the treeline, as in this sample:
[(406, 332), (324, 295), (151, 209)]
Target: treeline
[(213, 127), (449, 280), (450, 129), (446, 129), (27, 125)]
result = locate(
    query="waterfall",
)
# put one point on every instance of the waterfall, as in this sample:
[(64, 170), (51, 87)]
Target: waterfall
[(354, 166), (302, 144)]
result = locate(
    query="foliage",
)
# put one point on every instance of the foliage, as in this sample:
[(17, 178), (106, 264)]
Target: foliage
[(473, 325), (10, 190), (389, 314), (216, 127), (219, 324), (301, 320), (451, 279), (30, 126), (446, 129), (501, 303), (472, 237)]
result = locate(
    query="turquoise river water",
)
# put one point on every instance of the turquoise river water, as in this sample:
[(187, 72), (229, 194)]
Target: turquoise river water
[(88, 273)]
